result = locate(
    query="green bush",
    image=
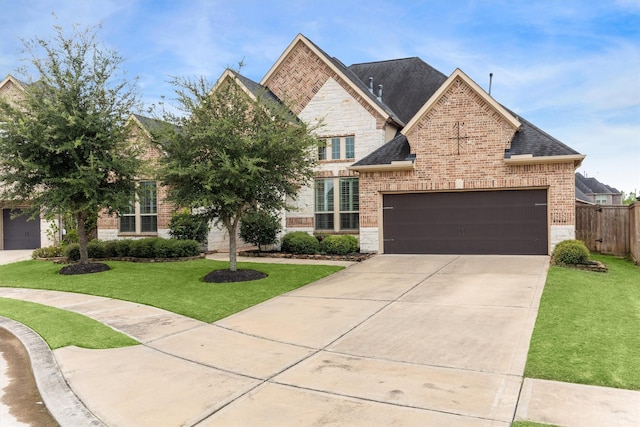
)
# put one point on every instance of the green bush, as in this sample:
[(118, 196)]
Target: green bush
[(123, 247), (187, 226), (299, 242), (48, 252), (96, 249), (142, 248), (339, 245), (152, 247), (571, 252), (183, 248), (72, 252), (259, 228), (110, 248)]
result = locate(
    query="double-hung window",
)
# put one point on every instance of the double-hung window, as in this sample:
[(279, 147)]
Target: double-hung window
[(141, 216), (337, 148), (337, 210)]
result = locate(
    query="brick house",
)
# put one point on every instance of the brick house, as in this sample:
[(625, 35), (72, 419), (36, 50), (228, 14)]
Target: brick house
[(19, 232), (414, 161), (409, 160)]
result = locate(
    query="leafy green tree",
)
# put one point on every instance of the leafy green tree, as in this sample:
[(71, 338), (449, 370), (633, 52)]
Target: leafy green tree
[(63, 144), (629, 198), (259, 228), (233, 150)]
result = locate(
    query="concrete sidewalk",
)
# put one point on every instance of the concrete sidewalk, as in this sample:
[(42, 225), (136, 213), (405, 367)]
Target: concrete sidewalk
[(402, 340)]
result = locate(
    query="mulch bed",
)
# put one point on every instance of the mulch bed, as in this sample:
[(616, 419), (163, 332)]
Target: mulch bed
[(92, 267), (228, 276)]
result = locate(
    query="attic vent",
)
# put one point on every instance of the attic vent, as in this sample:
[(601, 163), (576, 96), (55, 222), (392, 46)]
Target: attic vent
[(380, 93), (371, 84)]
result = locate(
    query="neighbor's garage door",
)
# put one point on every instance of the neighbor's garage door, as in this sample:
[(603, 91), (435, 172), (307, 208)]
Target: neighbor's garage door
[(478, 222), (18, 233)]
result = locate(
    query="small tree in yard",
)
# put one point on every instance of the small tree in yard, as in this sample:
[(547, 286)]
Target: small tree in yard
[(233, 150), (63, 141), (259, 228)]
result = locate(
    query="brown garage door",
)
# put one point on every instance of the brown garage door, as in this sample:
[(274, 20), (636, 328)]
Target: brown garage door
[(478, 222), (19, 232)]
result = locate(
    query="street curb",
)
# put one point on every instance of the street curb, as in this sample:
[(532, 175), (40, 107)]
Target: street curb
[(61, 402)]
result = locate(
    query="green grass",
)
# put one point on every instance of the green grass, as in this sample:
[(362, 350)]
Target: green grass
[(530, 424), (588, 327), (176, 286), (61, 328)]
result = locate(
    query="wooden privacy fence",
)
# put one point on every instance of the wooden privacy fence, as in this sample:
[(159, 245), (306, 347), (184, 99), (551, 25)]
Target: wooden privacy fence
[(610, 229)]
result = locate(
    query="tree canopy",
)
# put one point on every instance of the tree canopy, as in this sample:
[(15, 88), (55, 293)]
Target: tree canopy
[(233, 150), (63, 144)]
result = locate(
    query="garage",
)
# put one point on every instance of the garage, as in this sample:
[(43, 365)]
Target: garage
[(475, 222), (19, 232)]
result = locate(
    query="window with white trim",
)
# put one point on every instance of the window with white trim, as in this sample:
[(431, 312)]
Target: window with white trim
[(601, 199), (141, 216), (337, 214), (337, 148)]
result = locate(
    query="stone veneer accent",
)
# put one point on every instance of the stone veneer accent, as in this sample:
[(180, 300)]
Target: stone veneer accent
[(480, 164)]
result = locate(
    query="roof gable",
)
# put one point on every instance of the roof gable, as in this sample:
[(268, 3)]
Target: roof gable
[(458, 74), (319, 67)]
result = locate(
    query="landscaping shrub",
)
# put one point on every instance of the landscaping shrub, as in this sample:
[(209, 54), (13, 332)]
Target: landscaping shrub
[(152, 247), (571, 252), (183, 248), (187, 226), (123, 247), (48, 252), (96, 249), (111, 248), (259, 228), (72, 252), (142, 248), (299, 242), (339, 245)]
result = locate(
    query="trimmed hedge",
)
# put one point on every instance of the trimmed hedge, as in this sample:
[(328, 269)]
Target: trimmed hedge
[(299, 242), (339, 244), (571, 252), (151, 247)]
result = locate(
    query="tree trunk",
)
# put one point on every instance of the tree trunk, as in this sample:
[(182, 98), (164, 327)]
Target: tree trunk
[(231, 226), (82, 237)]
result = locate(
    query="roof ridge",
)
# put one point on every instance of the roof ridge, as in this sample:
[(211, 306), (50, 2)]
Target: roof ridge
[(389, 60)]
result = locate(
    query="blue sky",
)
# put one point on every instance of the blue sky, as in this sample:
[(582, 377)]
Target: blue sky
[(570, 67)]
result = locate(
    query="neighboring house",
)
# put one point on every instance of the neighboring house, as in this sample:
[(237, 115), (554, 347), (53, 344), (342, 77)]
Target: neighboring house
[(593, 191), (19, 232)]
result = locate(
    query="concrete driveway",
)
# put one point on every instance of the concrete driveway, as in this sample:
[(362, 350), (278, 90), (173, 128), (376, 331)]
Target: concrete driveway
[(395, 340)]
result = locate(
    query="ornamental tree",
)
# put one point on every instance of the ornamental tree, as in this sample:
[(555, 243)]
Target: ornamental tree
[(63, 140), (233, 149)]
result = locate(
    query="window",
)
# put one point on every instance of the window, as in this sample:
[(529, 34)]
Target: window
[(322, 150), (324, 204), (349, 204), (601, 199), (342, 148), (142, 215), (346, 216)]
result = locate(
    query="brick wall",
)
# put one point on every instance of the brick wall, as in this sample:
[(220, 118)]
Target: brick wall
[(480, 164)]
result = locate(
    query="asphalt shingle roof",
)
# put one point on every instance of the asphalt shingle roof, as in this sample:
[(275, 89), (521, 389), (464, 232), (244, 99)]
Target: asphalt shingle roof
[(407, 83), (395, 150)]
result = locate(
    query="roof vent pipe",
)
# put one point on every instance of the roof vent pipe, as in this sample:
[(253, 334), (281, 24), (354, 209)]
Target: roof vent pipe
[(490, 82), (379, 92), (371, 84)]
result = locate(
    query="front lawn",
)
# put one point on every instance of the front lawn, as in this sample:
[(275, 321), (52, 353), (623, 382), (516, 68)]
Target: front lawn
[(175, 286), (60, 328), (588, 327)]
